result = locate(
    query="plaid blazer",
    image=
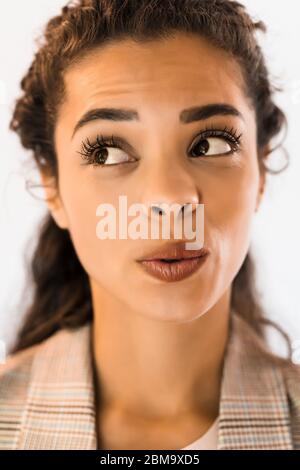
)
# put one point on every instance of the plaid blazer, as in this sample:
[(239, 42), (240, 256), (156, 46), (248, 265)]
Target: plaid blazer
[(47, 395)]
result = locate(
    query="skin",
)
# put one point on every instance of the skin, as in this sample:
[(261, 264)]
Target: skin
[(157, 347)]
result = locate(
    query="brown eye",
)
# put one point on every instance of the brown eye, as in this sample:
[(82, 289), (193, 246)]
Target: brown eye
[(110, 156), (99, 158), (214, 142), (104, 152), (211, 146)]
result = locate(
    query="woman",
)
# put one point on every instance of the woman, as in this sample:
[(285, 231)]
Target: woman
[(128, 343)]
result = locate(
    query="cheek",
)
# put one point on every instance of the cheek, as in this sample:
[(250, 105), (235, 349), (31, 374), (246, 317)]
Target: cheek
[(229, 216), (81, 195), (235, 196)]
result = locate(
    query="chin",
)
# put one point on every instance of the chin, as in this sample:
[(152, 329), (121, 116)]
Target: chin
[(174, 311)]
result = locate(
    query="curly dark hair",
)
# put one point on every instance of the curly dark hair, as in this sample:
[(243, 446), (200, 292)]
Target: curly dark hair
[(61, 290)]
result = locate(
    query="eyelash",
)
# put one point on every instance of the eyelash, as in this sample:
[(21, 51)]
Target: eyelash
[(100, 143), (88, 148), (230, 135)]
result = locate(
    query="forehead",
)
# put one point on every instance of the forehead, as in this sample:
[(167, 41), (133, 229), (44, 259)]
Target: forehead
[(174, 72)]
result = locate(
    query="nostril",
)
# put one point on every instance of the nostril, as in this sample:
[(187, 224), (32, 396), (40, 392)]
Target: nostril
[(158, 210)]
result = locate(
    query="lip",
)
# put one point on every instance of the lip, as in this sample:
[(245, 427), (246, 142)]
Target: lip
[(184, 262), (174, 251)]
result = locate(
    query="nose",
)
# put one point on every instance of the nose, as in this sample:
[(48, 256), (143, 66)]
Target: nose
[(168, 183)]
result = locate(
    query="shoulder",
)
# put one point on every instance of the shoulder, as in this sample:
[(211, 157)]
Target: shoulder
[(291, 375), (30, 375), (23, 370), (16, 373), (14, 382), (274, 372), (18, 366), (22, 366)]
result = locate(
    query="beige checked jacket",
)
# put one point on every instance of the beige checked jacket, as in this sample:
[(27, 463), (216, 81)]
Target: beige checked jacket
[(47, 395)]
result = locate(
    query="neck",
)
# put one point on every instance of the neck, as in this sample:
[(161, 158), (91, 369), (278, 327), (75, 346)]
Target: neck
[(161, 369)]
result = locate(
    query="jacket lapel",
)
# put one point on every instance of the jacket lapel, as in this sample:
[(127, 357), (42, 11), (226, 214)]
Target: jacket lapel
[(60, 408), (254, 410)]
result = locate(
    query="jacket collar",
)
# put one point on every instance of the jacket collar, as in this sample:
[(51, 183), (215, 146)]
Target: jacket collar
[(60, 406)]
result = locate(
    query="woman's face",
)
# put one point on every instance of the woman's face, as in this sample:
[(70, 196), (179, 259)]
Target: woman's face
[(159, 80)]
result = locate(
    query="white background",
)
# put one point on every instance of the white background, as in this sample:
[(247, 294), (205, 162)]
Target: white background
[(276, 230)]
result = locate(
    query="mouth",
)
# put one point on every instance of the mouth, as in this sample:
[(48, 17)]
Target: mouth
[(171, 260), (174, 263)]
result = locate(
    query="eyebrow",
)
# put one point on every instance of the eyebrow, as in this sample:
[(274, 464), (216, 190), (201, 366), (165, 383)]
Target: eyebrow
[(194, 114)]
